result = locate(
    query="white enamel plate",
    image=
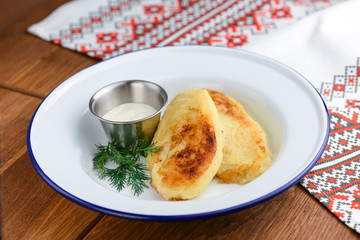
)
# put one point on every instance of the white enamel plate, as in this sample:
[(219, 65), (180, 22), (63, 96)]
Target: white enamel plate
[(62, 134)]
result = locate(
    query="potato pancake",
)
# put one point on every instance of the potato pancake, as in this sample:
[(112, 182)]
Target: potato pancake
[(191, 136), (246, 152)]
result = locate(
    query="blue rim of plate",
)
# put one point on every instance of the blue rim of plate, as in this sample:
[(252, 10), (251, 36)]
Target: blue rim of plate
[(215, 213)]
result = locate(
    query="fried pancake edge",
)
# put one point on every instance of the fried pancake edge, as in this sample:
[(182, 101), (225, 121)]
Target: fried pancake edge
[(246, 151), (192, 153)]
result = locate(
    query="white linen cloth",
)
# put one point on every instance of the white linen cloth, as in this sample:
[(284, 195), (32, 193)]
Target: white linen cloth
[(319, 47)]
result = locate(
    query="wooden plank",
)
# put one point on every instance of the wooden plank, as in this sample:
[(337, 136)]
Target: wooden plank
[(34, 66), (291, 215), (32, 210), (14, 12), (48, 72), (16, 112), (10, 13)]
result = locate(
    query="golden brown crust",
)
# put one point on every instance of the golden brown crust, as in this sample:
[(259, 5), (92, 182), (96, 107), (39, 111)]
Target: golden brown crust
[(184, 166), (226, 105), (191, 136)]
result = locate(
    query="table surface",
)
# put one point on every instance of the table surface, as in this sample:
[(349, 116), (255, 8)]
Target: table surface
[(29, 69)]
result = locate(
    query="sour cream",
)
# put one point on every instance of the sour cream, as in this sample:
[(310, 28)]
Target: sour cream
[(129, 112)]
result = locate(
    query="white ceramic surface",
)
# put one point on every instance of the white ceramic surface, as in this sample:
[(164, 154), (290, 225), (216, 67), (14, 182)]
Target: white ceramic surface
[(62, 133)]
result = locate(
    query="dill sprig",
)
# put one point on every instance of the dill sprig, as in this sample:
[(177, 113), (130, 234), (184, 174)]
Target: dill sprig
[(129, 171)]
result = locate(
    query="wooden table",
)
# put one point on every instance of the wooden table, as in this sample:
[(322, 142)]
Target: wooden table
[(29, 69)]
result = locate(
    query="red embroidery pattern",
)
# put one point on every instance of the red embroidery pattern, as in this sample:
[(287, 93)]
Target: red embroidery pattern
[(123, 26), (344, 88), (335, 180)]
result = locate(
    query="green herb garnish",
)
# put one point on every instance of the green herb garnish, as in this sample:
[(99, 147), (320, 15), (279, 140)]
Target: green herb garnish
[(130, 171)]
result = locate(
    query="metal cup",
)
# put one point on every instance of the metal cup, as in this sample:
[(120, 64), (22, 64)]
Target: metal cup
[(127, 134)]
